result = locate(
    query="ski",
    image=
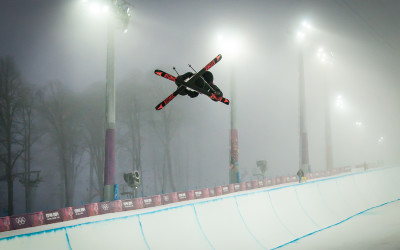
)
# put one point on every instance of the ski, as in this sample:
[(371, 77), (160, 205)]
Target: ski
[(169, 98), (165, 75), (190, 84)]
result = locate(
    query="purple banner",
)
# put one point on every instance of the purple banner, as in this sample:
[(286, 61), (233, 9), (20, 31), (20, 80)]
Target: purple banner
[(109, 171), (148, 202), (37, 219), (198, 194), (218, 190), (182, 196), (92, 209), (20, 221), (254, 184), (249, 185), (236, 187), (152, 201), (260, 184), (206, 192), (129, 205), (174, 196), (116, 205), (166, 199), (211, 192), (53, 216), (5, 224), (79, 212), (105, 207), (67, 214), (190, 194), (225, 189)]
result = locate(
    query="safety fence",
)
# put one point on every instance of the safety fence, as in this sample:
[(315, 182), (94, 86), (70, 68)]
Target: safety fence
[(16, 222)]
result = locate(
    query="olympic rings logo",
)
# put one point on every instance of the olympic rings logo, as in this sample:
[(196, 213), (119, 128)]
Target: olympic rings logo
[(20, 220)]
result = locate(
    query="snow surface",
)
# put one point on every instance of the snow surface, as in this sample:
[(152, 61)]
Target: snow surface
[(355, 211)]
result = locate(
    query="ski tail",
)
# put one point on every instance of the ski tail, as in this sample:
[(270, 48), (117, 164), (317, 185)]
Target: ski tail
[(220, 99), (167, 100), (165, 75)]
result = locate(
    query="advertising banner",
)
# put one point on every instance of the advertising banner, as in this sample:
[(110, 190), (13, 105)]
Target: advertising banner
[(249, 185), (128, 205), (105, 207), (66, 214), (278, 180), (236, 187), (218, 190), (190, 194), (260, 183), (225, 189), (166, 199), (116, 205), (211, 192), (148, 202), (254, 184), (79, 212), (20, 221), (174, 196), (52, 216), (231, 188), (198, 194), (37, 219), (92, 209), (182, 196), (243, 186), (206, 192), (5, 224)]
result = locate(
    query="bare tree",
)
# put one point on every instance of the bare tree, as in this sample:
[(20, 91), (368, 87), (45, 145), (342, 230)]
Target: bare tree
[(29, 178), (11, 132), (62, 115), (165, 122), (131, 109), (93, 125)]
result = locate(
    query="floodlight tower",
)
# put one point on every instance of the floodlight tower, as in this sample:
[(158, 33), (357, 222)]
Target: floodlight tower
[(118, 13), (303, 137), (230, 47), (327, 59)]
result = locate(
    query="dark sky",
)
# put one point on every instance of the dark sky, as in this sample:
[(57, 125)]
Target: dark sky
[(61, 40)]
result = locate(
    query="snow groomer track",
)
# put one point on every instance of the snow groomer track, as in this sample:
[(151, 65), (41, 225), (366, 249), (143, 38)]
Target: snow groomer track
[(265, 218)]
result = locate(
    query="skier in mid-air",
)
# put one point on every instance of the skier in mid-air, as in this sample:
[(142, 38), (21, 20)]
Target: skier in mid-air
[(201, 82), (206, 81)]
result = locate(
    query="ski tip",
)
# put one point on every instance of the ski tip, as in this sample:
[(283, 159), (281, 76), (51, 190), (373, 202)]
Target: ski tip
[(219, 57), (157, 72), (159, 107)]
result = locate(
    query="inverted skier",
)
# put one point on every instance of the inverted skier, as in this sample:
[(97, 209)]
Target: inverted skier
[(206, 82)]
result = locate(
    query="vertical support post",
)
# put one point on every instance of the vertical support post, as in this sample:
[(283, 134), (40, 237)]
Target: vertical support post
[(234, 176), (109, 167), (328, 134), (303, 136)]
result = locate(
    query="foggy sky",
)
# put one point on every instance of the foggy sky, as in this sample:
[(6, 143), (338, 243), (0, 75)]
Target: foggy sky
[(60, 40)]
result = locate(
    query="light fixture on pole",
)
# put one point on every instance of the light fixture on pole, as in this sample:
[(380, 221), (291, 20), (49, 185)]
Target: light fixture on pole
[(303, 137), (118, 13)]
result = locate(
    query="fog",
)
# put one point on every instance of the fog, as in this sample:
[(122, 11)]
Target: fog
[(63, 41)]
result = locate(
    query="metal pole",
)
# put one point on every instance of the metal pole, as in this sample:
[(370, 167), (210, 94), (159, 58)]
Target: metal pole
[(109, 164), (303, 137), (328, 135), (234, 157)]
